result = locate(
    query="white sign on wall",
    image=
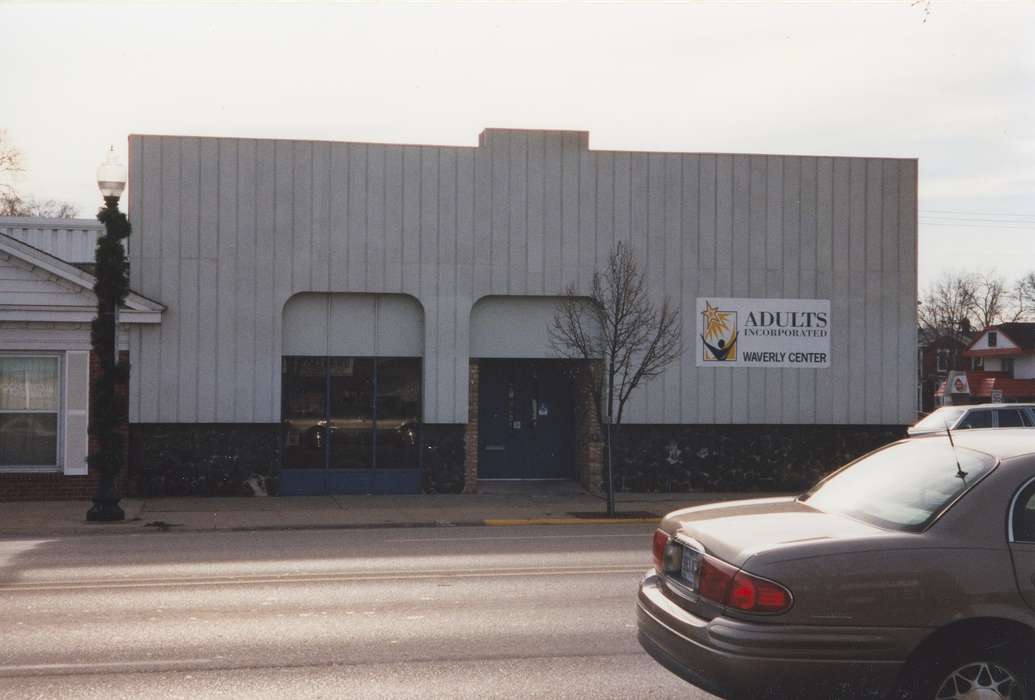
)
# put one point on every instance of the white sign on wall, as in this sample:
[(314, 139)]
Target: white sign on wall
[(763, 332)]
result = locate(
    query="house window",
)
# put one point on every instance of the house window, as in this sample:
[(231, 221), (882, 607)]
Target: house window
[(30, 401), (942, 361), (1007, 365), (977, 363), (993, 339)]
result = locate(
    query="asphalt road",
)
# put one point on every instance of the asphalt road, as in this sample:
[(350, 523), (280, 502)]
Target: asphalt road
[(509, 612)]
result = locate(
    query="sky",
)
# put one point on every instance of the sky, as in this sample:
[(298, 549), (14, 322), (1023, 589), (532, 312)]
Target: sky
[(953, 87)]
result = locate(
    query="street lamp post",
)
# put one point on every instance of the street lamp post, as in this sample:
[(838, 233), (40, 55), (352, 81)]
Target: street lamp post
[(107, 412)]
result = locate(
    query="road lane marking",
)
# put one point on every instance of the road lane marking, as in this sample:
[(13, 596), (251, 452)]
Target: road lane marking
[(510, 522), (102, 665), (221, 664), (638, 536), (397, 577)]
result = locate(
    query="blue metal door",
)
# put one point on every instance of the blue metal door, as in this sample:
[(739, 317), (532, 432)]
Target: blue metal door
[(525, 420)]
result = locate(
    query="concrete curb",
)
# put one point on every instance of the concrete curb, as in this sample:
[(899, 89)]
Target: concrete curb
[(67, 519), (102, 529), (504, 522), (488, 522)]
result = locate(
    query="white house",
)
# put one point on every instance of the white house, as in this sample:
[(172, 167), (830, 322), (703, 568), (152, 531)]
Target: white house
[(46, 307)]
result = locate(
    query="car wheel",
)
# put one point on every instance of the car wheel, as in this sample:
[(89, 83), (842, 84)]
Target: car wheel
[(981, 680), (977, 675)]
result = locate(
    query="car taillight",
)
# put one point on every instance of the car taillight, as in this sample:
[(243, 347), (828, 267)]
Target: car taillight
[(714, 579), (755, 594), (724, 584), (661, 539)]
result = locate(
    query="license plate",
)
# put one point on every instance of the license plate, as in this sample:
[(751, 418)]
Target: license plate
[(690, 567)]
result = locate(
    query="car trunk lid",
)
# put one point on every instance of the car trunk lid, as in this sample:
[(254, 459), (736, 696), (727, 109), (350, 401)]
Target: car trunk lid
[(735, 531)]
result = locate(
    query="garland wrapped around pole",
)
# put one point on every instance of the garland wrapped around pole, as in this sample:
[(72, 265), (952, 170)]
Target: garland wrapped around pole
[(107, 410)]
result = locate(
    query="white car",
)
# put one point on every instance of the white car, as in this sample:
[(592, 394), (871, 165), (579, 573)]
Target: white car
[(983, 415)]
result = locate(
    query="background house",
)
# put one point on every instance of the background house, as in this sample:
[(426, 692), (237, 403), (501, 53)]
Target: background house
[(1002, 361), (939, 353)]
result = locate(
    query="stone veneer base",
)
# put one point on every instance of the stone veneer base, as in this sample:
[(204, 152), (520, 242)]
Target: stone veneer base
[(680, 458), (216, 459)]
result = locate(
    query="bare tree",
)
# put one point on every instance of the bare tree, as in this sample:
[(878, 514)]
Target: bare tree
[(10, 157), (1025, 291), (619, 325), (925, 8), (991, 303), (948, 305), (962, 302), (14, 204), (10, 163)]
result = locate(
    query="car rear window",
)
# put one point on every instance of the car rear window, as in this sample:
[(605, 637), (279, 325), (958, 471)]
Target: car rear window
[(902, 487), (976, 419), (940, 418), (1013, 418)]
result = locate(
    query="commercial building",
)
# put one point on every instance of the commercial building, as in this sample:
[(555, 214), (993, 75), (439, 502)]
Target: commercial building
[(359, 317)]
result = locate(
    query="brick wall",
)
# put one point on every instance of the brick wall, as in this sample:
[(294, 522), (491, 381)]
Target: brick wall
[(589, 447), (471, 432), (55, 486), (46, 487)]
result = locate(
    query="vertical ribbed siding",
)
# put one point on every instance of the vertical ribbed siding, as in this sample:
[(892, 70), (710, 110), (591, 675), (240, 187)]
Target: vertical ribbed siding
[(72, 240), (226, 230)]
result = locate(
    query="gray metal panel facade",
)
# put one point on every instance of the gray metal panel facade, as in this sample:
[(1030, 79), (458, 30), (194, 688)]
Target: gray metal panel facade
[(381, 325), (72, 240), (517, 326), (227, 230)]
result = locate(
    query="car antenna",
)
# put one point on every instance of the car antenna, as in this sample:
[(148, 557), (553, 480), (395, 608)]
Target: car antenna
[(959, 468)]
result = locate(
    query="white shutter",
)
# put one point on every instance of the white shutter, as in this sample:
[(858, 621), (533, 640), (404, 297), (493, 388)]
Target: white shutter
[(77, 412)]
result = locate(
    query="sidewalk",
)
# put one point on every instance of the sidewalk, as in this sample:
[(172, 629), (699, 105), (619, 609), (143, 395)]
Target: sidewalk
[(41, 518)]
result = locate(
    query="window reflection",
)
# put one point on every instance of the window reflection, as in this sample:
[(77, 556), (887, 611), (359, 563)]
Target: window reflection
[(329, 413), (304, 409), (28, 439), (398, 413), (351, 412)]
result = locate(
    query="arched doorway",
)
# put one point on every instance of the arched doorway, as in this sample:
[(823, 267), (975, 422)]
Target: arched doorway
[(528, 410), (351, 394)]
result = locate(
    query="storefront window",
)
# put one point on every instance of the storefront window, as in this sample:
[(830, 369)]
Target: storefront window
[(398, 413), (304, 389), (30, 398), (351, 413)]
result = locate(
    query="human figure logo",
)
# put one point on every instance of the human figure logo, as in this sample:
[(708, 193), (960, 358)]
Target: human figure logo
[(741, 332), (720, 334)]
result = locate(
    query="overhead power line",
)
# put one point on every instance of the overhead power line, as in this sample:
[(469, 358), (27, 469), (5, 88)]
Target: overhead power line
[(946, 217), (976, 213), (1022, 226)]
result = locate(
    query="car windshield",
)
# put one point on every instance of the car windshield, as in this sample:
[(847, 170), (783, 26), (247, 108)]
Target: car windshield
[(901, 487), (939, 419)]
